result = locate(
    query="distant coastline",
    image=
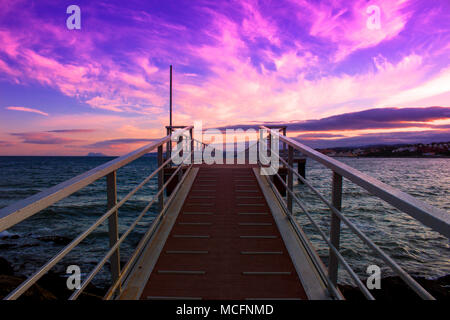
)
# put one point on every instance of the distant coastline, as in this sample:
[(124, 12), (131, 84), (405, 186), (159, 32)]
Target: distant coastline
[(419, 150)]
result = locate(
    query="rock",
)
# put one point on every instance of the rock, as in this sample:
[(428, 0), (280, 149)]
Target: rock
[(4, 235), (7, 245), (5, 267), (29, 245), (393, 289), (50, 287), (55, 239), (35, 293), (56, 284)]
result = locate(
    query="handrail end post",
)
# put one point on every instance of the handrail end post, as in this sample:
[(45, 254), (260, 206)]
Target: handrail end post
[(160, 178), (335, 227), (290, 178), (113, 225)]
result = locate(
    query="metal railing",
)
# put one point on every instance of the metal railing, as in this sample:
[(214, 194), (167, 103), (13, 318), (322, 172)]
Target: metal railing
[(436, 219), (19, 211)]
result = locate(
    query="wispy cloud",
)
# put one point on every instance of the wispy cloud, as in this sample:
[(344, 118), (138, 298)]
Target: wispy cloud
[(383, 138), (42, 138), (72, 130), (25, 109), (114, 143)]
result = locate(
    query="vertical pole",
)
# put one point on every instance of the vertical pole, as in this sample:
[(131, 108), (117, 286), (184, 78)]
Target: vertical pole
[(191, 131), (269, 151), (160, 178), (284, 143), (301, 168), (258, 137), (170, 97), (113, 225), (290, 181), (335, 228), (180, 173), (169, 145)]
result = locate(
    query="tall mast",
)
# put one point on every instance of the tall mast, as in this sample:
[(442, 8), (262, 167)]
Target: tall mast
[(171, 97)]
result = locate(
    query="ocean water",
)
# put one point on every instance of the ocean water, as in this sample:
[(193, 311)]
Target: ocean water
[(416, 248)]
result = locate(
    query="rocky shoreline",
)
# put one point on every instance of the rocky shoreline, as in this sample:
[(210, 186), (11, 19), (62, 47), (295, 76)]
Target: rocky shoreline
[(51, 287), (394, 289)]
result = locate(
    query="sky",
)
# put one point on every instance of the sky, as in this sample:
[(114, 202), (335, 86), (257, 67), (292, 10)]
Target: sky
[(330, 70)]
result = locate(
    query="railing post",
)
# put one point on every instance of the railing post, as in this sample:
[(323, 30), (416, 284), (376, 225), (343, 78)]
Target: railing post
[(160, 178), (180, 173), (290, 182), (191, 131), (113, 225), (269, 151), (169, 144), (335, 227)]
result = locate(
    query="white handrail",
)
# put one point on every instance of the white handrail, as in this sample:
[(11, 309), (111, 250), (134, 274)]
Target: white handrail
[(23, 209), (435, 218)]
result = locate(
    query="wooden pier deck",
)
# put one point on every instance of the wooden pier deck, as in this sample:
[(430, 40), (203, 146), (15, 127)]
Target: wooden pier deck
[(223, 243)]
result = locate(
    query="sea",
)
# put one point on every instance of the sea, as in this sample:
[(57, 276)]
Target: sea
[(416, 248)]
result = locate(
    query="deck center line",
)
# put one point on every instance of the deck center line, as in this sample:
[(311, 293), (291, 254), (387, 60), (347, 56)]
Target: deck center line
[(190, 236), (253, 213), (261, 252), (254, 224), (256, 273), (198, 213), (180, 272), (258, 237), (195, 223), (186, 252)]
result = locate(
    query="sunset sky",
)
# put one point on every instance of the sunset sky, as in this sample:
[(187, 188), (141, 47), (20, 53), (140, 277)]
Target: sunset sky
[(313, 65)]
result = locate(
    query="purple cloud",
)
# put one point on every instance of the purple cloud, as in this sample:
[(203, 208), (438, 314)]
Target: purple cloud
[(375, 119), (116, 142), (380, 139), (42, 138), (72, 130), (382, 118)]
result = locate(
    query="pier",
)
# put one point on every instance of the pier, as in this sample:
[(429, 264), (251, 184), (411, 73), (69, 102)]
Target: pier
[(226, 231)]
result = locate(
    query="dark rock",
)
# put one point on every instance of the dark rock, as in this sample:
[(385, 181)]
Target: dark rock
[(7, 245), (57, 284), (394, 288), (50, 287), (35, 293), (5, 267), (29, 245), (10, 236), (55, 239)]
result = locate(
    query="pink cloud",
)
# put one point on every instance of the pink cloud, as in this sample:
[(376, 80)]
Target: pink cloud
[(42, 138), (27, 110), (344, 23)]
